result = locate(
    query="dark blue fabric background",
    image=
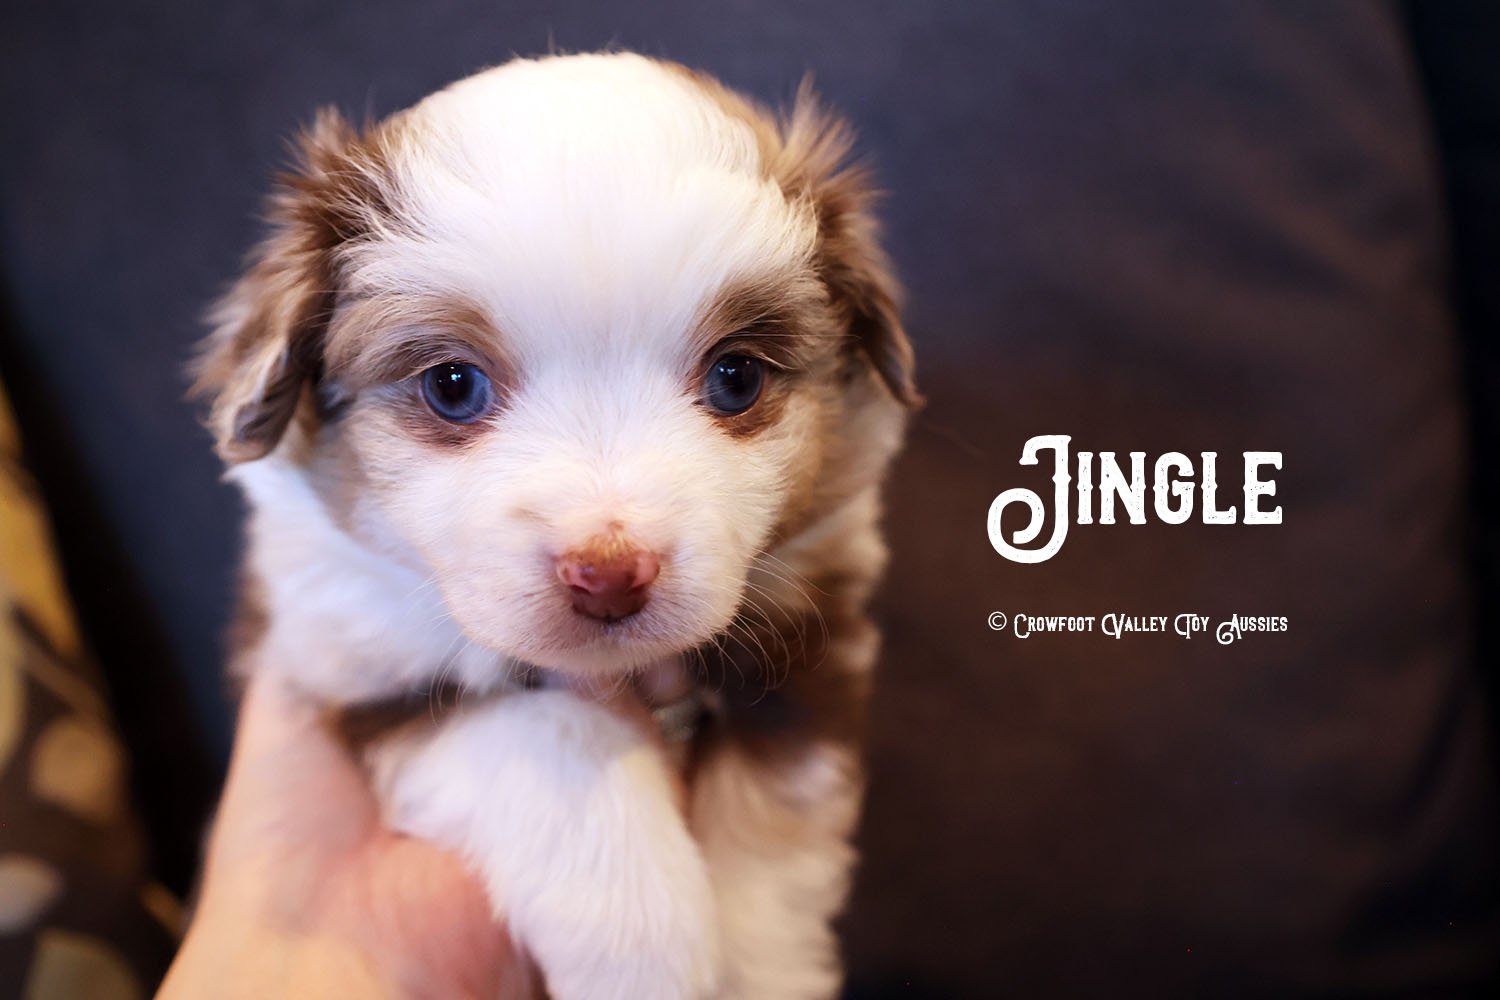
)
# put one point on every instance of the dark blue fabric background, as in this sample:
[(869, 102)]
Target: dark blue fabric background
[(1171, 226)]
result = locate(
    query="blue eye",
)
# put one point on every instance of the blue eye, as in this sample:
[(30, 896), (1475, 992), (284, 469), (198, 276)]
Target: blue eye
[(457, 392), (733, 384)]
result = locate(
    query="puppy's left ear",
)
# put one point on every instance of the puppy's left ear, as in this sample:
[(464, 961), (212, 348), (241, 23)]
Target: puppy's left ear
[(812, 163)]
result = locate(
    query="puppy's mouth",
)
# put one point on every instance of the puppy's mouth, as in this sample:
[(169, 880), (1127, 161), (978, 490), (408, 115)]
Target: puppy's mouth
[(585, 620), (579, 643)]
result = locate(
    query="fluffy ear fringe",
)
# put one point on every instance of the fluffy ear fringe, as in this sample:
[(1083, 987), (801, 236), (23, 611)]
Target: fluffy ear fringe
[(267, 332), (813, 163)]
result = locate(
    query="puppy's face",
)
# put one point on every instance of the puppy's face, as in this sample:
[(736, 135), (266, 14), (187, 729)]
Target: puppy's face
[(579, 340)]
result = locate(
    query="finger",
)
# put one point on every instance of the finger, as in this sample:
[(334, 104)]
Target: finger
[(291, 785)]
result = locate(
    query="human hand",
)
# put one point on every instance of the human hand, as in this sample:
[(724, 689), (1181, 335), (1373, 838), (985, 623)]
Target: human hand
[(306, 895)]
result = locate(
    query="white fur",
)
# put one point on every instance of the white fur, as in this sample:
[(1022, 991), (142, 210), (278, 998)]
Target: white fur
[(591, 207), (346, 622), (570, 817)]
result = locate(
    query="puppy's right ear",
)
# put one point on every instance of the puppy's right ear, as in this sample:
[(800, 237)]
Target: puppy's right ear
[(268, 331)]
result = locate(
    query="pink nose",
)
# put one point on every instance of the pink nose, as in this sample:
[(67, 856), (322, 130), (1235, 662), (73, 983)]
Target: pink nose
[(607, 578)]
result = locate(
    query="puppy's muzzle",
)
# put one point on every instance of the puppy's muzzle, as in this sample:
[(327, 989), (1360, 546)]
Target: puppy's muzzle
[(608, 578)]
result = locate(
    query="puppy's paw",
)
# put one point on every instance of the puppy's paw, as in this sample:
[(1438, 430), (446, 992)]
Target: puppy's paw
[(569, 814)]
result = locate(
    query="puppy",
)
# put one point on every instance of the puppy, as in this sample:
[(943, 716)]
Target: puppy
[(582, 368)]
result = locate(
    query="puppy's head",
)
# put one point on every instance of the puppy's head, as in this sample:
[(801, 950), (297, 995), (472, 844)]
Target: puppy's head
[(579, 339)]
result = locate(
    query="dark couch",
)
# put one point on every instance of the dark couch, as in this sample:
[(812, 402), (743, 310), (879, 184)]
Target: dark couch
[(1182, 226)]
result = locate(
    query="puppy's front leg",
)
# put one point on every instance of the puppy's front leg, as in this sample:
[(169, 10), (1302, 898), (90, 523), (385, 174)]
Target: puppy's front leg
[(776, 837), (569, 814), (777, 791)]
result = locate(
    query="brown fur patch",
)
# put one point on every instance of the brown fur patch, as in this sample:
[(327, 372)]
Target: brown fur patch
[(814, 163), (269, 332), (378, 346), (786, 678), (605, 548), (380, 340), (776, 316), (358, 726), (781, 321)]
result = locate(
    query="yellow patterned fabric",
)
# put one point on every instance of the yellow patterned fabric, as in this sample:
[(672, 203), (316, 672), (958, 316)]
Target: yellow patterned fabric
[(78, 918)]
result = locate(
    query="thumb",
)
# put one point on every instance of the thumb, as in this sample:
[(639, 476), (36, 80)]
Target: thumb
[(292, 786)]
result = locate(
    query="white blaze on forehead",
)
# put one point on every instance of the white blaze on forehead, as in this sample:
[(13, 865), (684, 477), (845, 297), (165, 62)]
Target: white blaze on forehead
[(587, 202)]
